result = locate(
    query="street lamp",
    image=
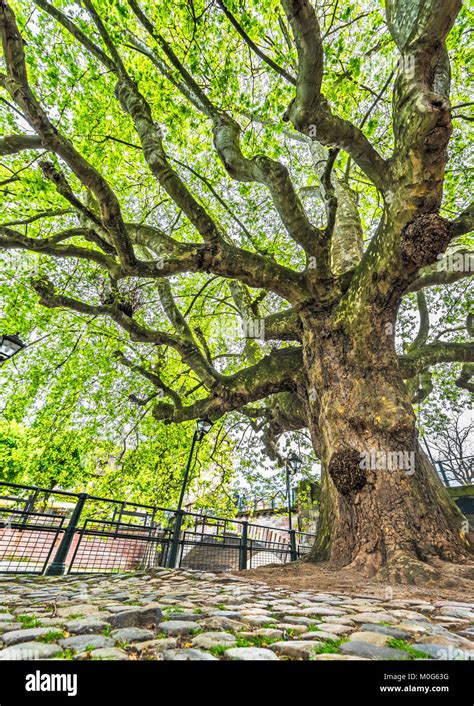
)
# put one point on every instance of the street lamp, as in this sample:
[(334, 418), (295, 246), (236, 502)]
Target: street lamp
[(292, 465), (9, 346), (203, 426)]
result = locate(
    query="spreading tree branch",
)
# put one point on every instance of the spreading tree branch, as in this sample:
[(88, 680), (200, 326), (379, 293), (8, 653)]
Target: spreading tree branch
[(447, 270), (149, 375), (13, 240), (435, 353), (274, 373), (261, 169), (424, 326), (309, 111), (17, 85), (11, 144), (464, 223)]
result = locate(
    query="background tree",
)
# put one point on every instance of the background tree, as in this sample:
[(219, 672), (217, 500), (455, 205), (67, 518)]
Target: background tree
[(316, 210), (452, 446), (455, 451)]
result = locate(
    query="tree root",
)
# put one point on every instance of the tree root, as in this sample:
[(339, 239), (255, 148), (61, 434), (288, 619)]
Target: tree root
[(404, 569), (407, 570)]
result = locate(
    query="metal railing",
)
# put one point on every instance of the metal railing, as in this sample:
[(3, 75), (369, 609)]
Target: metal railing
[(453, 471), (56, 532), (265, 503)]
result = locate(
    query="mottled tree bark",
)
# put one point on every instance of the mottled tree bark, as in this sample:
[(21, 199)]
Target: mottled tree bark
[(383, 509)]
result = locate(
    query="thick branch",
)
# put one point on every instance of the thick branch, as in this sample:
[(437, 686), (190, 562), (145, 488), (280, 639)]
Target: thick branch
[(173, 258), (447, 270), (424, 327), (419, 22), (11, 144), (13, 240), (421, 107), (283, 326), (310, 112), (435, 353), (464, 223), (274, 175), (305, 27), (274, 373), (344, 234)]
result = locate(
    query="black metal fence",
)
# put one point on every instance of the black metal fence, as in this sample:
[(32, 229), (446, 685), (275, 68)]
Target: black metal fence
[(453, 471), (272, 503), (56, 532)]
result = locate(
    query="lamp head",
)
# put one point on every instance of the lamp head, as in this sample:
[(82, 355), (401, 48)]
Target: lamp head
[(9, 346), (203, 426), (294, 462)]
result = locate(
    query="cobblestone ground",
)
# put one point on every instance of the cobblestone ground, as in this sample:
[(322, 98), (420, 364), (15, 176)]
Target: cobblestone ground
[(192, 615)]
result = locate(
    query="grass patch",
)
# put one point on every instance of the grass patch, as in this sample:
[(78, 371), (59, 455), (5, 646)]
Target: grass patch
[(246, 642), (219, 650), (256, 641), (66, 654), (398, 644), (328, 647), (292, 633), (123, 644), (51, 636), (29, 621), (107, 630)]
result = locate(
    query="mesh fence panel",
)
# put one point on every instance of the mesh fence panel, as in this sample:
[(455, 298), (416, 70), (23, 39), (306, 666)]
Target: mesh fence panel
[(27, 540), (103, 535), (104, 547)]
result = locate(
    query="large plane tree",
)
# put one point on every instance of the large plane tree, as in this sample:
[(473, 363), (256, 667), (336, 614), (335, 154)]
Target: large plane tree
[(289, 162)]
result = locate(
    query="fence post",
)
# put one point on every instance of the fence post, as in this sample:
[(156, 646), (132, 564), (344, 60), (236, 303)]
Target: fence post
[(293, 550), (174, 546), (58, 565), (243, 547), (443, 473)]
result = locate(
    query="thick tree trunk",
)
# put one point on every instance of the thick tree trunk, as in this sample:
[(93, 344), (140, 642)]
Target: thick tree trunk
[(383, 508)]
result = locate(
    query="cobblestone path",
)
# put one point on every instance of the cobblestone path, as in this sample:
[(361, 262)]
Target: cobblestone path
[(195, 615)]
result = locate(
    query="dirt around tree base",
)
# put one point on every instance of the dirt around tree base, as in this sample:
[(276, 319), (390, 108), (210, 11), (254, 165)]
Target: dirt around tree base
[(302, 576)]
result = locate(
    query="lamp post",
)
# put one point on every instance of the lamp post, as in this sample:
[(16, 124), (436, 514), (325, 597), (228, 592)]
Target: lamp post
[(292, 465), (9, 346), (202, 427)]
